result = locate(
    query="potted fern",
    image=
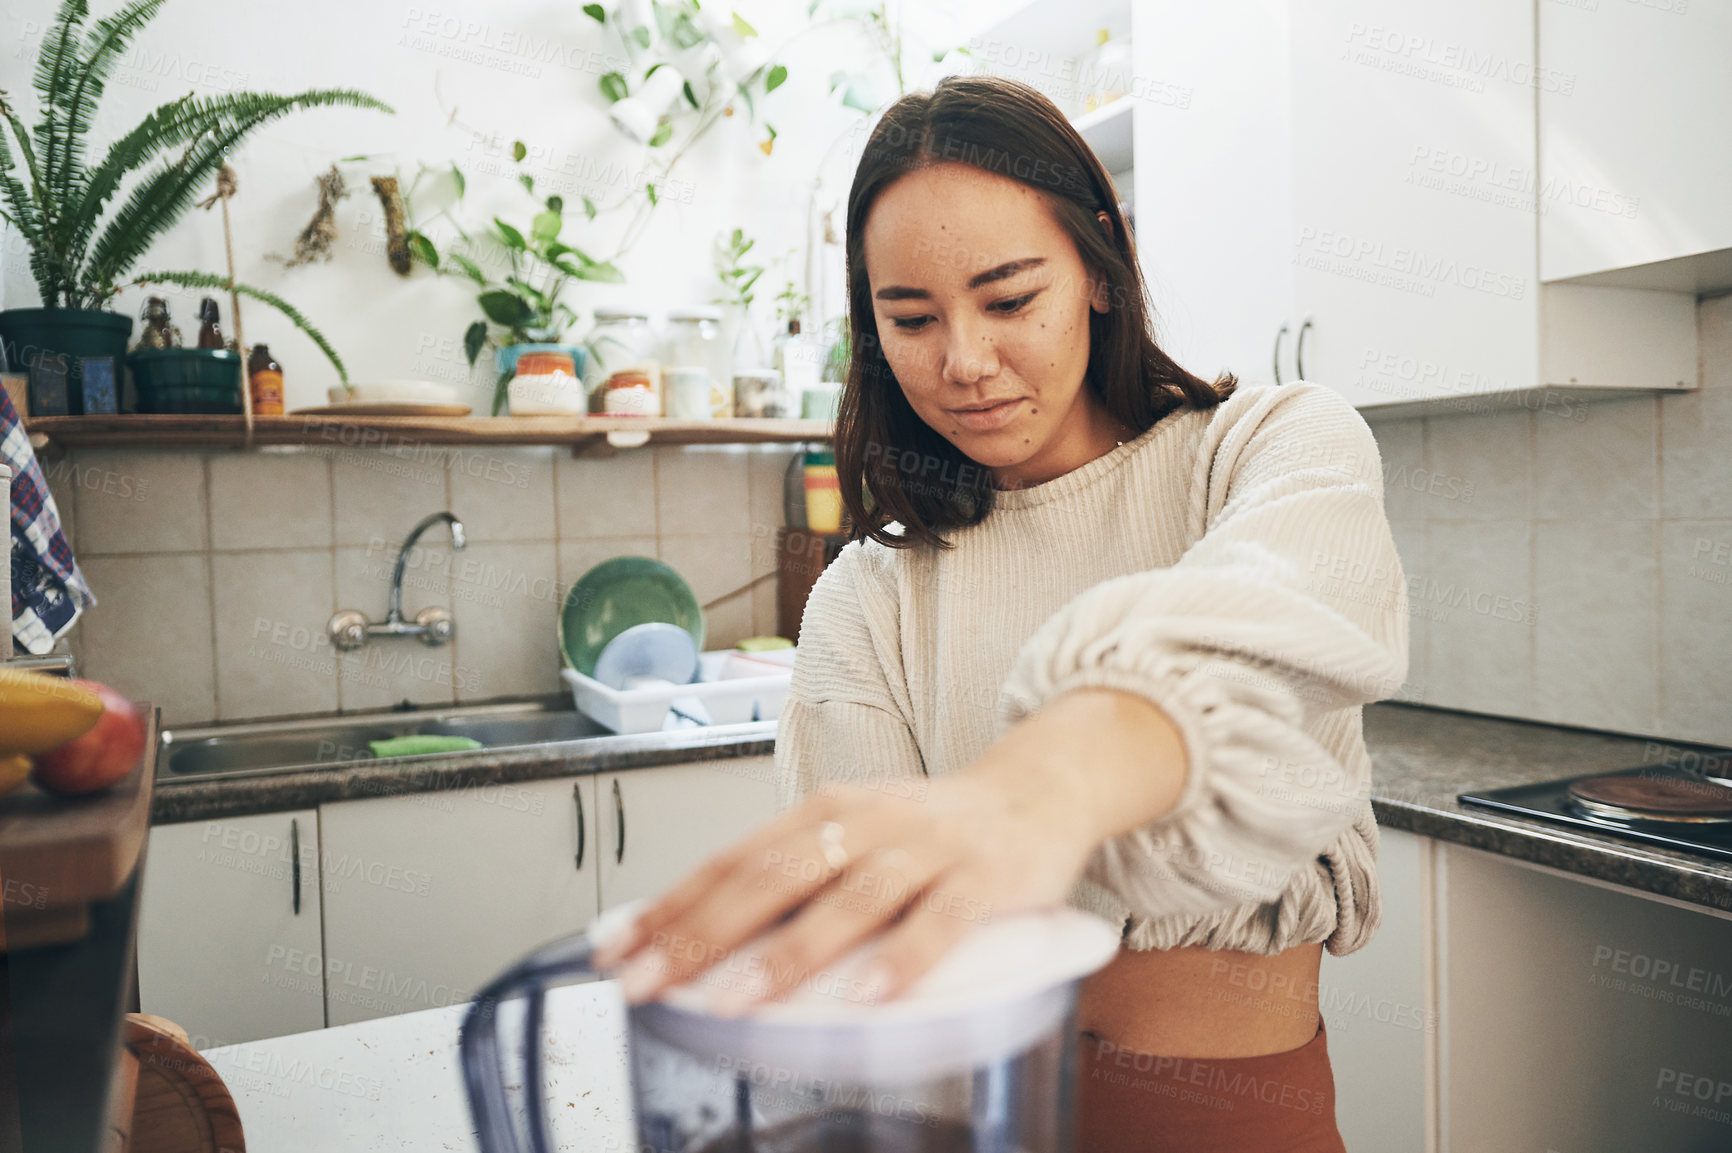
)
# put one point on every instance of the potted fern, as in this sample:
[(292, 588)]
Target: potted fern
[(81, 254)]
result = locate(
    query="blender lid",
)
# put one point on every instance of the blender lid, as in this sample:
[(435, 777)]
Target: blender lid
[(999, 962)]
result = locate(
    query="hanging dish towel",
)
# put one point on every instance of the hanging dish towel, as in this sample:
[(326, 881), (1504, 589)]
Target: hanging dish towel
[(48, 591)]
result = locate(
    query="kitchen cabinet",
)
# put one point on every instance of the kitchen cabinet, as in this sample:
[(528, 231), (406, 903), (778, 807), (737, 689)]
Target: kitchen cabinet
[(1347, 194), (1379, 1007), (1634, 161), (1395, 261), (430, 895), (657, 824), (229, 927), (1214, 195), (1580, 1016)]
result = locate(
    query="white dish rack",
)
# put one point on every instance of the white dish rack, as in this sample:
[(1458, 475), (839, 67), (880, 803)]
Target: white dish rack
[(720, 695)]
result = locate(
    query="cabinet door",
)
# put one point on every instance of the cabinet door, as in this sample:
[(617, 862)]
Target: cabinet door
[(1581, 1017), (1213, 161), (657, 824), (1634, 158), (1413, 246), (225, 949), (430, 896), (1380, 1017)]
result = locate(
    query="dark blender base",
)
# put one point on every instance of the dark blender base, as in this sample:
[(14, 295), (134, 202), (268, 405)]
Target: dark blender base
[(851, 1131)]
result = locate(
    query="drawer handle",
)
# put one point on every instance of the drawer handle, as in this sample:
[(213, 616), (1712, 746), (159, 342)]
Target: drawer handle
[(577, 798), (295, 869), (1299, 349), (619, 818), (1278, 336)]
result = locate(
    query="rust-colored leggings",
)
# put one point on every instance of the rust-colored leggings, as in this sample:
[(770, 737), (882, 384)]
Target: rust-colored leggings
[(1131, 1102)]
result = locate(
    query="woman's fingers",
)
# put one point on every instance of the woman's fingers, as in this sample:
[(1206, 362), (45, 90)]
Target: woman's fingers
[(698, 884), (758, 889), (935, 920), (858, 903)]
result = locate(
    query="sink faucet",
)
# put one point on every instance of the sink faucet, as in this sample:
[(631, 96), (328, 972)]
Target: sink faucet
[(433, 625)]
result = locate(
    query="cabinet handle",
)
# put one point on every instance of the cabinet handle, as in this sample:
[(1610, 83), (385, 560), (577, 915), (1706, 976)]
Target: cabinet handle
[(1278, 337), (295, 851), (577, 798), (619, 818), (1299, 349)]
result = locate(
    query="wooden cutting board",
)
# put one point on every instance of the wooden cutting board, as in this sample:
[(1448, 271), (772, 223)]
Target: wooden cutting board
[(58, 854)]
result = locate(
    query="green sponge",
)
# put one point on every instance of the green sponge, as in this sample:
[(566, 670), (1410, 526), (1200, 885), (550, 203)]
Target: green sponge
[(419, 745)]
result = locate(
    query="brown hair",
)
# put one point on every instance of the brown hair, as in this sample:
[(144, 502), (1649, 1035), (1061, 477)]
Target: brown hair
[(913, 474)]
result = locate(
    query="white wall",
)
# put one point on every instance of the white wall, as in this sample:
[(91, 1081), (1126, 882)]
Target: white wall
[(514, 69)]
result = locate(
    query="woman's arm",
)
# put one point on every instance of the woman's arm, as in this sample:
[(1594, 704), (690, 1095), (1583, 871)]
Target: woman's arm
[(1291, 605)]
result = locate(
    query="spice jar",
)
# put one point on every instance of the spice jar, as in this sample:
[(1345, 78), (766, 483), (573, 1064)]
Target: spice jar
[(625, 348), (544, 382)]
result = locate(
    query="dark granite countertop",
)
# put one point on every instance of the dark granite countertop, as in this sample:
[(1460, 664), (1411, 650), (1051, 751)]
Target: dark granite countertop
[(1422, 758), (194, 799)]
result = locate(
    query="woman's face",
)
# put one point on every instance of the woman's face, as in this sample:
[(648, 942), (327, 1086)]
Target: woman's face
[(982, 299)]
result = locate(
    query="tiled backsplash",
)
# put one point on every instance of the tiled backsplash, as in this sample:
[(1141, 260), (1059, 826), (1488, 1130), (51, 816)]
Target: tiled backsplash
[(1573, 563), (217, 572)]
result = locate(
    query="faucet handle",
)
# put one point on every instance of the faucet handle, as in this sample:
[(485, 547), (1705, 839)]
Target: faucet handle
[(348, 630), (437, 627)]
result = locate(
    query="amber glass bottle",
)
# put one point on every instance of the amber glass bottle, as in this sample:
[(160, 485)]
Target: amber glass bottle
[(265, 378)]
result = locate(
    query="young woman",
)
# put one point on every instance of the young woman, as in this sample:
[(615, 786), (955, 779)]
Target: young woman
[(1103, 636)]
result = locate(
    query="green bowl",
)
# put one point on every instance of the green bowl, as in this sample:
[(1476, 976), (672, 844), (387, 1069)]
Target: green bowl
[(614, 596)]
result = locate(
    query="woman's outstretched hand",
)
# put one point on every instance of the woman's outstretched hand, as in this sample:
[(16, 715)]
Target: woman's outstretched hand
[(916, 863)]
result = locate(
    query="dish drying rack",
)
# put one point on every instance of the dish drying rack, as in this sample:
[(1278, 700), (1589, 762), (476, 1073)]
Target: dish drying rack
[(726, 692)]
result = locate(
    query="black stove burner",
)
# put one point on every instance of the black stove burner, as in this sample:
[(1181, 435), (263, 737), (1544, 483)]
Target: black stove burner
[(1553, 801)]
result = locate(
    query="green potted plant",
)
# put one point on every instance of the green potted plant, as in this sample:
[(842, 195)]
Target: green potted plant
[(738, 276), (81, 254), (522, 295)]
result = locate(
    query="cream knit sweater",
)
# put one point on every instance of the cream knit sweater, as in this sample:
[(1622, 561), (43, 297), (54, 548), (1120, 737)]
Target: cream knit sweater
[(1233, 565)]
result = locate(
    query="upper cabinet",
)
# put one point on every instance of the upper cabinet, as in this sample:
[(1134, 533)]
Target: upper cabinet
[(1351, 192), (1634, 156), (1416, 283)]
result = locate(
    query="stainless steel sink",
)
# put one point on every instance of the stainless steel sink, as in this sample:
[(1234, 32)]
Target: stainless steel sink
[(214, 751)]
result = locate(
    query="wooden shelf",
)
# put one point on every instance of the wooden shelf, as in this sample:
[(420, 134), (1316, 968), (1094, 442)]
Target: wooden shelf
[(200, 431)]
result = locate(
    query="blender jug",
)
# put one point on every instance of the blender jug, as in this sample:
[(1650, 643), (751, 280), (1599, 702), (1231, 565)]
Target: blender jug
[(977, 1056)]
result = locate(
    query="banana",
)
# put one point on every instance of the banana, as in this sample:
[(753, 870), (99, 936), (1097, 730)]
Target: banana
[(14, 770), (39, 712)]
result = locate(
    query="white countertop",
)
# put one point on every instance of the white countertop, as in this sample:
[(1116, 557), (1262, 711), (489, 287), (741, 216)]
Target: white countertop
[(395, 1083)]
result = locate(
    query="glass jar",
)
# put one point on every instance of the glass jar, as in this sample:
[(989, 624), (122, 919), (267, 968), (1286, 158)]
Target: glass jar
[(758, 393), (694, 341), (627, 370)]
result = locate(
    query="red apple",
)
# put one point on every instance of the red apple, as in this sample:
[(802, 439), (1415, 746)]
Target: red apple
[(99, 758)]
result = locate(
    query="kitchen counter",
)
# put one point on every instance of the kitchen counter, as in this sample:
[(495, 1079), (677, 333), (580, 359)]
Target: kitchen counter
[(396, 1082), (1422, 758), (194, 799)]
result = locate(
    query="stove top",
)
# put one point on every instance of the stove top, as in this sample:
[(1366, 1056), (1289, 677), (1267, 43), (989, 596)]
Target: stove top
[(1555, 801)]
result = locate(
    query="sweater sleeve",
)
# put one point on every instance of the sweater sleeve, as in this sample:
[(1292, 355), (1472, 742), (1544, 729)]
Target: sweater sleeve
[(845, 718), (1289, 606)]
